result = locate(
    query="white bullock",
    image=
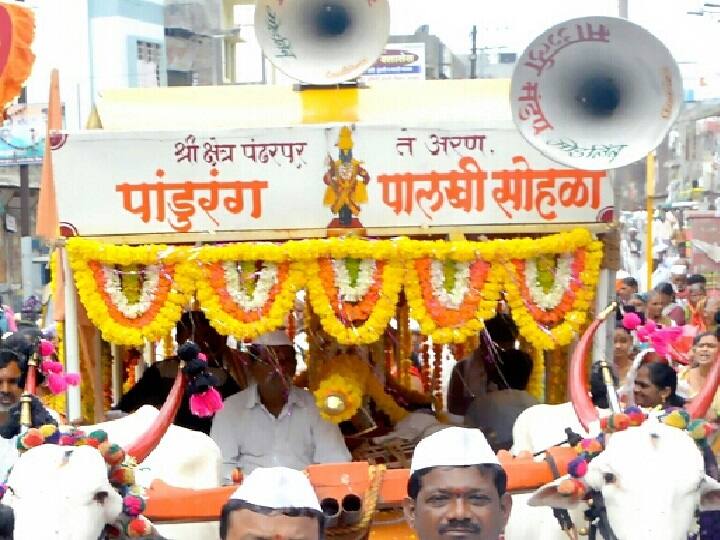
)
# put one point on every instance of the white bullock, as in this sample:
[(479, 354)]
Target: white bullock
[(183, 458), (61, 493), (652, 481), (651, 477), (541, 426)]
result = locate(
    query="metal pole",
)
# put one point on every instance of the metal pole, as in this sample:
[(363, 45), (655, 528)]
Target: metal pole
[(623, 9), (72, 346), (650, 202), (24, 184), (473, 54)]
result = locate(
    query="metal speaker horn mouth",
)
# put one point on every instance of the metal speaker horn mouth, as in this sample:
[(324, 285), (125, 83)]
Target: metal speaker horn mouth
[(331, 21), (598, 96)]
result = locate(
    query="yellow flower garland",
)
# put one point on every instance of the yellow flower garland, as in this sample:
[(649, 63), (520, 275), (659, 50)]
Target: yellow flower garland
[(428, 326), (380, 315), (563, 333), (347, 379), (219, 318), (190, 277), (84, 252)]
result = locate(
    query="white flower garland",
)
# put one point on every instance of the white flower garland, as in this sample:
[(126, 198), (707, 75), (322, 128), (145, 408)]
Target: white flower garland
[(349, 293), (450, 299), (266, 279), (113, 288), (551, 299)]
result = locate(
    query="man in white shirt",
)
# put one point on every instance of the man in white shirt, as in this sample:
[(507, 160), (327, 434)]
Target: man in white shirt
[(272, 423)]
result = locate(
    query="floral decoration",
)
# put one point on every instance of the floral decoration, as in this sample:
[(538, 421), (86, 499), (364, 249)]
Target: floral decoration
[(347, 379), (245, 289), (353, 285), (97, 268), (559, 314), (450, 315), (353, 312)]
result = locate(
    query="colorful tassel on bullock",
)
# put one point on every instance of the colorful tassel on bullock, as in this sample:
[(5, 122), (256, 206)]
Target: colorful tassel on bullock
[(205, 400)]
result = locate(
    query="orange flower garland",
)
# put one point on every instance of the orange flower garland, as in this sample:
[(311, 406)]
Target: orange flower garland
[(373, 312), (95, 265), (555, 315), (20, 57), (215, 292), (351, 311), (447, 324)]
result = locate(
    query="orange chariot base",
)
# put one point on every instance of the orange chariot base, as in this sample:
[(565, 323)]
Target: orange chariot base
[(170, 504)]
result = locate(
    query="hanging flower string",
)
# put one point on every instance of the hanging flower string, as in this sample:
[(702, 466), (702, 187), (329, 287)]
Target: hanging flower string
[(96, 268)]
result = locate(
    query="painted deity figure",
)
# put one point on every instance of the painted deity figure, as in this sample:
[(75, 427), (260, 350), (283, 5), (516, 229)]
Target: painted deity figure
[(346, 182)]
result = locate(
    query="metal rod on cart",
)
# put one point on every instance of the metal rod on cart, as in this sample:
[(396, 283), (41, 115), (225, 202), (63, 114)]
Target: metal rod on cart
[(650, 202), (72, 349)]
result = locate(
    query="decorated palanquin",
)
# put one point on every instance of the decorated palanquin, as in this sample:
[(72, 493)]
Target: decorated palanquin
[(395, 239)]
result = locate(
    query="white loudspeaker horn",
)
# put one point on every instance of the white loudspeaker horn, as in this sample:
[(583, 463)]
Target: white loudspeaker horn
[(322, 41), (595, 93)]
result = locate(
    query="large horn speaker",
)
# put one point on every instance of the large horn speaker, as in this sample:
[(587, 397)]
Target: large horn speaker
[(595, 93), (322, 41)]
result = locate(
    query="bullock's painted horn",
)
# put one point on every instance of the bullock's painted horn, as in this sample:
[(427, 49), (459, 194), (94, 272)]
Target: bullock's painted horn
[(699, 406), (577, 377), (147, 442)]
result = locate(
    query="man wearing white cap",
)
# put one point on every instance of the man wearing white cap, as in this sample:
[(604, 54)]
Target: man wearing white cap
[(273, 423), (275, 503), (457, 487)]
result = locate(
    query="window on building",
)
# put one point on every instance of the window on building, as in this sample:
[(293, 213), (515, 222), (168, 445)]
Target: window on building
[(148, 64)]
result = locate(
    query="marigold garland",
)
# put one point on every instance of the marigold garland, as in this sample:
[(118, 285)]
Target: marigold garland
[(92, 261), (333, 312), (225, 312), (349, 378), (447, 324), (570, 315), (353, 285)]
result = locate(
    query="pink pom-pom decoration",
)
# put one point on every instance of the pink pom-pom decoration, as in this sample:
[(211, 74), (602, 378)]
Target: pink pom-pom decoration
[(577, 467), (50, 366), (133, 505), (202, 357), (642, 333), (56, 383), (650, 326), (46, 348), (206, 404), (631, 321), (72, 379)]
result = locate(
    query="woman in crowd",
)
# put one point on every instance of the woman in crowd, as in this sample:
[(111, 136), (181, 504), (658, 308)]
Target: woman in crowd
[(623, 351), (654, 310), (671, 308), (656, 387), (691, 379)]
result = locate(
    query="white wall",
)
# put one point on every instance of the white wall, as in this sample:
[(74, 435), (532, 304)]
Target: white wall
[(61, 42), (110, 49)]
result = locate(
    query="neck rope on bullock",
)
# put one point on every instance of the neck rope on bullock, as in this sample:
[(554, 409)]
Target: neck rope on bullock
[(691, 419), (204, 401)]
